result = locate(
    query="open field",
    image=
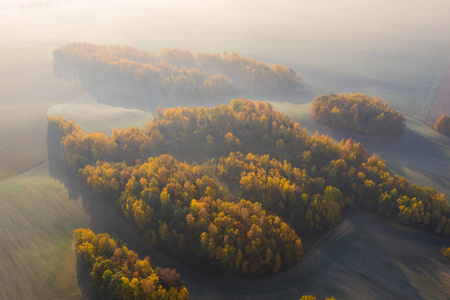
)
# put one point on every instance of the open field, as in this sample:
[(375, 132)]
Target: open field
[(439, 75), (41, 201), (99, 117), (37, 218), (441, 104), (24, 100), (37, 213)]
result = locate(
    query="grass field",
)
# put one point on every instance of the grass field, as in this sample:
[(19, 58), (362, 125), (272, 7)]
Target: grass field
[(441, 104), (436, 83), (37, 211), (24, 101), (41, 201), (37, 219), (99, 117)]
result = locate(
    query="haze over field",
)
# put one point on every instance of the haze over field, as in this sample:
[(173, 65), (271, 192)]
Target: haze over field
[(392, 49), (397, 50)]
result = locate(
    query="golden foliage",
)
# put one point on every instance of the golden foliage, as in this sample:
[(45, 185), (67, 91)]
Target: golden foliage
[(359, 113), (442, 125), (177, 71), (117, 272)]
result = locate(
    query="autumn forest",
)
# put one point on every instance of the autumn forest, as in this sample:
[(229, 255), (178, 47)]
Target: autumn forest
[(225, 150), (234, 189), (177, 71)]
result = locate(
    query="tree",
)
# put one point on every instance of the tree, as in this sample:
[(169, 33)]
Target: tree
[(174, 70), (120, 274), (442, 125), (445, 251)]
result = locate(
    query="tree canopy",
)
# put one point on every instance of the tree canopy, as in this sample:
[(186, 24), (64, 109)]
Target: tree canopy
[(443, 125), (178, 71), (359, 113), (258, 184), (118, 273)]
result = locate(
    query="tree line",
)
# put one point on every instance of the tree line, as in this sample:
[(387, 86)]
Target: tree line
[(118, 273), (359, 113), (178, 71), (244, 150)]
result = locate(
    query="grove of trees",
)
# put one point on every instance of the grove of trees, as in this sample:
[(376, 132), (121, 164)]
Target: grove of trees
[(229, 189), (442, 125), (184, 211), (359, 113), (118, 273), (178, 71)]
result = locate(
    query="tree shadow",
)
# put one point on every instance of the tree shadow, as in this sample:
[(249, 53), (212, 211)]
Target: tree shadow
[(85, 282)]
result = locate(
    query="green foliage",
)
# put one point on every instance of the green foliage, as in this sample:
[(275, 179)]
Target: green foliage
[(442, 125), (357, 112), (118, 273), (175, 70)]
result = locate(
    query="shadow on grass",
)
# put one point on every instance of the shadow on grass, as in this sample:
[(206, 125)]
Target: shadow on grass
[(85, 282), (357, 260)]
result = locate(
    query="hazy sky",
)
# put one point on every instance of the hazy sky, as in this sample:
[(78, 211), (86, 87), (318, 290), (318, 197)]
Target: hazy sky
[(380, 40), (368, 25)]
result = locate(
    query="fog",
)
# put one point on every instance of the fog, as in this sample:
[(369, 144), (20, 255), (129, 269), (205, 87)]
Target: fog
[(393, 49), (383, 47), (406, 28)]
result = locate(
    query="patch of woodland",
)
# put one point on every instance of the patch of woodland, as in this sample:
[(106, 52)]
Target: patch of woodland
[(118, 273), (442, 125), (357, 112), (230, 189), (174, 70)]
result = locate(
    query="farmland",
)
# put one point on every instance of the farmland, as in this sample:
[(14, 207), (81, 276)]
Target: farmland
[(42, 201), (441, 104), (51, 196), (51, 203)]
